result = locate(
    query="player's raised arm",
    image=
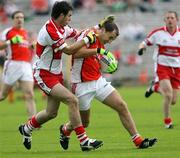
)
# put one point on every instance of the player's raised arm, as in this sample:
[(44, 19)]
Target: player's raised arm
[(89, 38)]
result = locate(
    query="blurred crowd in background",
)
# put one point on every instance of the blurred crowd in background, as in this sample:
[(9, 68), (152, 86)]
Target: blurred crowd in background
[(132, 31), (42, 7)]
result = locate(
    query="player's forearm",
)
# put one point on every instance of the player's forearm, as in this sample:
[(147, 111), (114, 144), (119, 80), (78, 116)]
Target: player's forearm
[(83, 53), (74, 47), (142, 45), (4, 44)]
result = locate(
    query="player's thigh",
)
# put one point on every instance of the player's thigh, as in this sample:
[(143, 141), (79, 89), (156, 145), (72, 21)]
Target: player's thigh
[(115, 101), (62, 94), (5, 88), (85, 101), (165, 86), (11, 72), (27, 86), (27, 73), (52, 105), (104, 89), (85, 93)]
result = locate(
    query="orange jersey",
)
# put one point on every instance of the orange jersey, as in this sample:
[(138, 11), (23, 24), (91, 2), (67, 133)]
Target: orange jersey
[(89, 68), (19, 51)]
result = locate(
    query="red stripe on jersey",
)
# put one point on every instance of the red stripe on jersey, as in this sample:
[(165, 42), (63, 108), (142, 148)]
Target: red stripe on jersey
[(39, 49), (156, 30), (73, 34), (51, 31), (148, 42), (57, 55), (169, 51), (58, 43)]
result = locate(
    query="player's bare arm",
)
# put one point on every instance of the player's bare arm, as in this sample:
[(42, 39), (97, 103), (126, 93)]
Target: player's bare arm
[(84, 52)]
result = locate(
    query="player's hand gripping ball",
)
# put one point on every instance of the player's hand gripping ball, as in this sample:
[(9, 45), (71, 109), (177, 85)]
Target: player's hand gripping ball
[(108, 65)]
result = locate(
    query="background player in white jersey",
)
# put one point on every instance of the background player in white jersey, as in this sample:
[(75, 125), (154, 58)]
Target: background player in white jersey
[(90, 84), (18, 67), (167, 39), (48, 74)]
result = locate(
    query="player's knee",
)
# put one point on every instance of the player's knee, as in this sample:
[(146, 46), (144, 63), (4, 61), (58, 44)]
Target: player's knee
[(168, 95), (122, 107), (122, 104), (73, 101), (29, 95), (85, 123)]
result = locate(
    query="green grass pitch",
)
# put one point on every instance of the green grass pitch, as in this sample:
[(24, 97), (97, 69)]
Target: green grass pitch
[(105, 125)]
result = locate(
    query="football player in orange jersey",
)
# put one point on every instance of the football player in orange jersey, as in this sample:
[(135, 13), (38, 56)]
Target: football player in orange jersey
[(18, 67), (88, 83)]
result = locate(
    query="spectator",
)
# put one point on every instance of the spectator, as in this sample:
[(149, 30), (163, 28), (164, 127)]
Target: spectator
[(40, 7)]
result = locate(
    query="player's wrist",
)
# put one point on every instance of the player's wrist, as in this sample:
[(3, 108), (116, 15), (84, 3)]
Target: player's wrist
[(98, 50), (86, 40)]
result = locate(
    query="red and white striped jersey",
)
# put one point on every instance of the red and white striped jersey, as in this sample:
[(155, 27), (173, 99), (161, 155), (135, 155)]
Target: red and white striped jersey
[(19, 51), (50, 42), (87, 69), (168, 46)]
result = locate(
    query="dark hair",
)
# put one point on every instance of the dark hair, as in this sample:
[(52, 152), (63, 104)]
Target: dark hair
[(16, 12), (62, 7), (174, 12), (110, 27)]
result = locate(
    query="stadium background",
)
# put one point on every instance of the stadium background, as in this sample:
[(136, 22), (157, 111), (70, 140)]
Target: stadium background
[(135, 19), (147, 113)]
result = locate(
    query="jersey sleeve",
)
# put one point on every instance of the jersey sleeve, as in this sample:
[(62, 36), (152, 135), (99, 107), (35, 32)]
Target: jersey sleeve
[(3, 35), (48, 36), (71, 32), (151, 39)]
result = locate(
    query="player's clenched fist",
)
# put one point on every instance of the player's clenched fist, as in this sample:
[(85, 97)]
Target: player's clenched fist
[(112, 67), (106, 52)]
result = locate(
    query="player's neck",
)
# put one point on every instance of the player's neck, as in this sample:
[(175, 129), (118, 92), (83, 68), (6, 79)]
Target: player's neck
[(18, 27), (171, 29)]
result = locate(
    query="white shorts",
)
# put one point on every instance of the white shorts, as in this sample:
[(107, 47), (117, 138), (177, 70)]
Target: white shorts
[(17, 70), (86, 91)]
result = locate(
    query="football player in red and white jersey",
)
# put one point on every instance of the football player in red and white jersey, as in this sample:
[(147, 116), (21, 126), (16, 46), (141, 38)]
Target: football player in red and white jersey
[(167, 40), (18, 67), (48, 74), (88, 83)]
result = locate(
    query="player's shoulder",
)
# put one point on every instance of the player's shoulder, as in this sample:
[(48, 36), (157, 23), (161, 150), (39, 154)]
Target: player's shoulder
[(51, 30), (156, 30), (5, 31)]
